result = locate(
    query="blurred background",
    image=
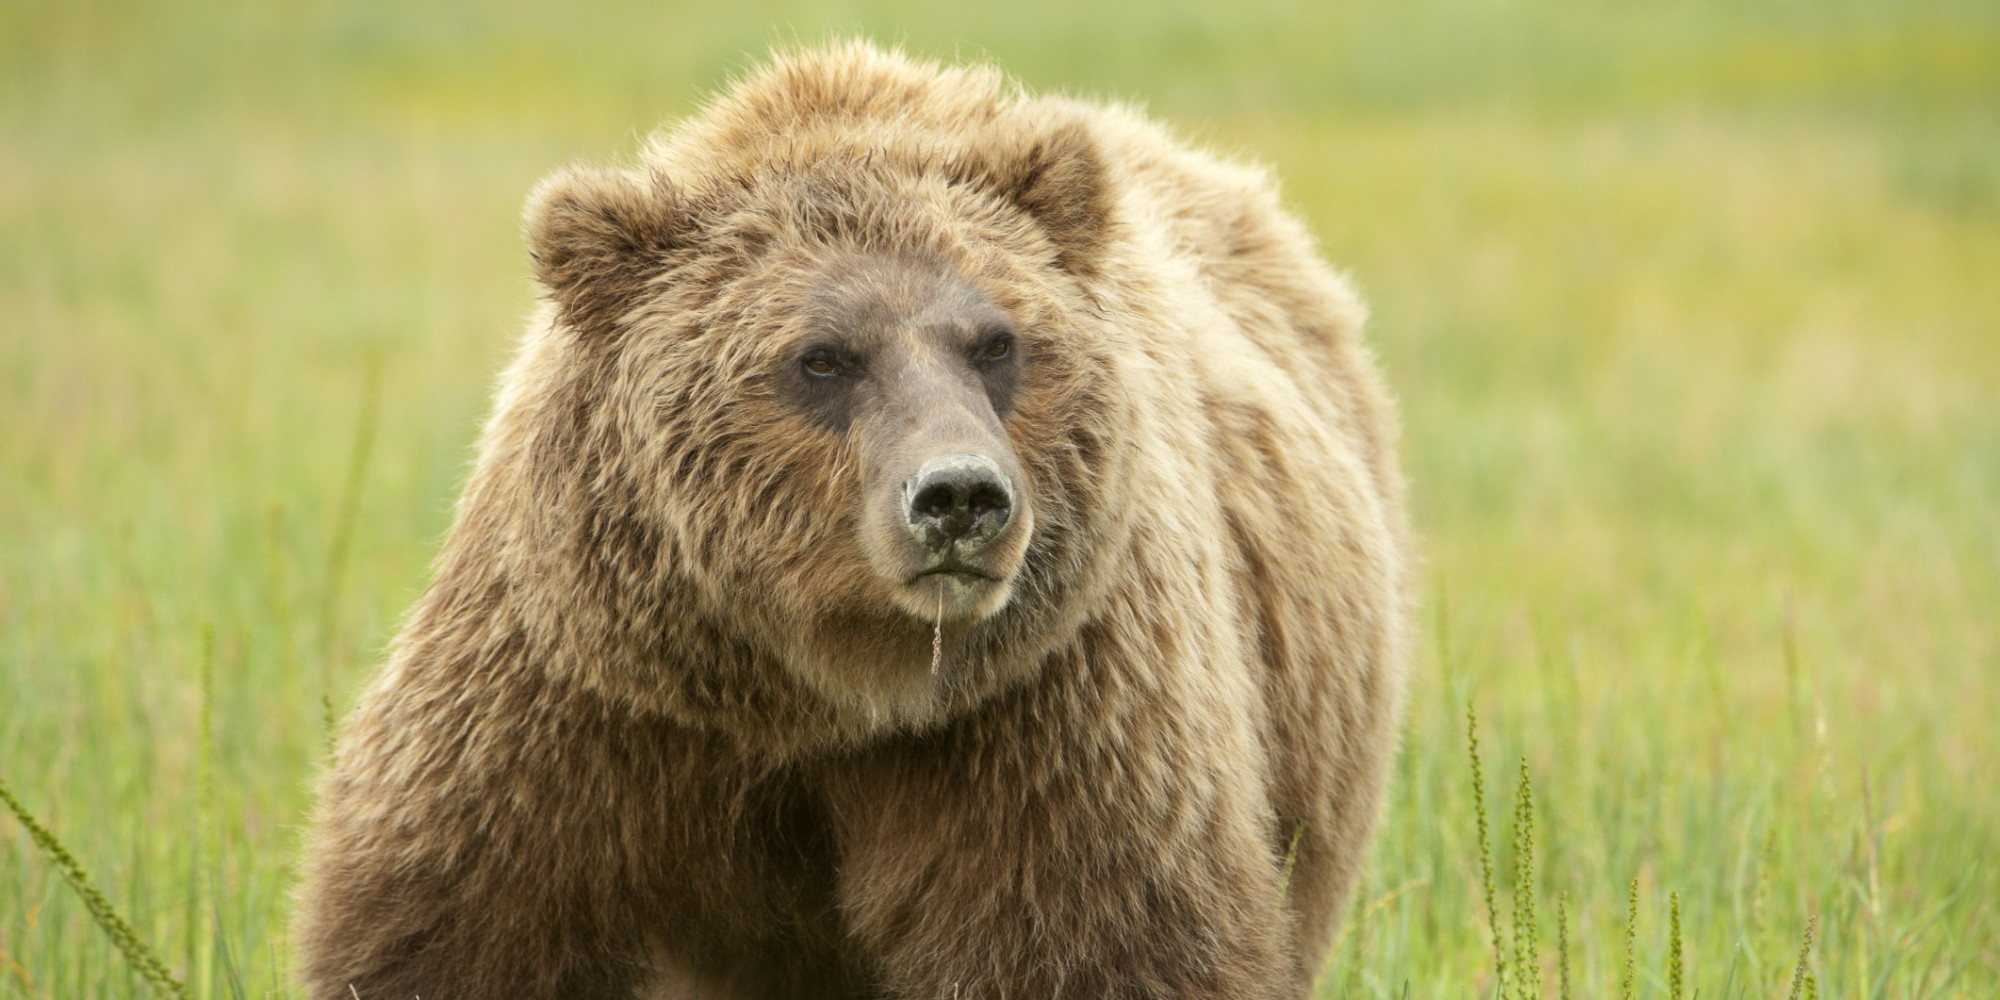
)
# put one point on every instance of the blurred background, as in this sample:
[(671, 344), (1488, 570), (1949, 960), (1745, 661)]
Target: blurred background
[(1693, 309)]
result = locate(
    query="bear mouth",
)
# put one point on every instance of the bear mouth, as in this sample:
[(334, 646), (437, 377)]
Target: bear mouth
[(953, 592), (954, 571)]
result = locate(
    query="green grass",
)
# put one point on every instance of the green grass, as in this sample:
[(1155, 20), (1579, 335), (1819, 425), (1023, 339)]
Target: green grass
[(1691, 309)]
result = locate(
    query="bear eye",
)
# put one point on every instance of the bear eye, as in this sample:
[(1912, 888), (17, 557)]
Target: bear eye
[(821, 364), (997, 350)]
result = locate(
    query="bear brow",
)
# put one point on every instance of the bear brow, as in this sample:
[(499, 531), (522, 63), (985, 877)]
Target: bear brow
[(867, 293)]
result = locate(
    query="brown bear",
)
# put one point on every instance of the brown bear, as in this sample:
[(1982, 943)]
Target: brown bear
[(933, 542)]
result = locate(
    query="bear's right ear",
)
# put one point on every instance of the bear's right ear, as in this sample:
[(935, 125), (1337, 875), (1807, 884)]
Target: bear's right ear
[(598, 236)]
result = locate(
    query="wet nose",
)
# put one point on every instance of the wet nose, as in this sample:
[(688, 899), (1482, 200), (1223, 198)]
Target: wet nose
[(962, 500)]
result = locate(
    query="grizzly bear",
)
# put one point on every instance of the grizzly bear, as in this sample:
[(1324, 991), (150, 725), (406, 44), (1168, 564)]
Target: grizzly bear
[(934, 541)]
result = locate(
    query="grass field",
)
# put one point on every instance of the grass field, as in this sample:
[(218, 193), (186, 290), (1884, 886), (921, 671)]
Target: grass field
[(1694, 311)]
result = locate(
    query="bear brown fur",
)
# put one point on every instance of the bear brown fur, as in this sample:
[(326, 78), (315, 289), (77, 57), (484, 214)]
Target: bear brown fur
[(668, 720)]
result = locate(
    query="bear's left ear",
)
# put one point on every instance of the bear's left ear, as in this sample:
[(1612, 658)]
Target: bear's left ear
[(1062, 179), (598, 236)]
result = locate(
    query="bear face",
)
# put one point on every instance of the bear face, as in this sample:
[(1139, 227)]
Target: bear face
[(843, 417), (919, 369)]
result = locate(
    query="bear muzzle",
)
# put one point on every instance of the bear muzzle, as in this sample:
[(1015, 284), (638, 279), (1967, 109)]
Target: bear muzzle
[(955, 506)]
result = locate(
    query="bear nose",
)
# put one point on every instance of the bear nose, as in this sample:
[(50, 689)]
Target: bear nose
[(958, 499)]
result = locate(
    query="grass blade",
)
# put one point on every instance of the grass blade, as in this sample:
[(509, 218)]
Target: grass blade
[(108, 919)]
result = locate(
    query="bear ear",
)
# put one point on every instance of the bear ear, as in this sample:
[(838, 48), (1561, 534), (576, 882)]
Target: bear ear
[(1064, 182), (598, 236)]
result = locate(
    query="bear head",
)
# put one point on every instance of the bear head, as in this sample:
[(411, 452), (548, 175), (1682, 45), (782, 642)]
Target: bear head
[(829, 375)]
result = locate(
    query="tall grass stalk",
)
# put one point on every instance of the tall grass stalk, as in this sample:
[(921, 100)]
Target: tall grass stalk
[(1291, 860), (1562, 943), (341, 543), (1760, 895), (202, 968), (1801, 972), (1631, 940), (1485, 851), (280, 585), (1527, 947), (1675, 971), (127, 940)]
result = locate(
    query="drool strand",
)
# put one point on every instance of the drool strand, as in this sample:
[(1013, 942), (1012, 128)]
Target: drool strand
[(937, 635)]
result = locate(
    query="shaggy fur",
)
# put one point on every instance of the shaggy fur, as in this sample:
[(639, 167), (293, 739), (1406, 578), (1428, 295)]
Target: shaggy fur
[(660, 727)]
